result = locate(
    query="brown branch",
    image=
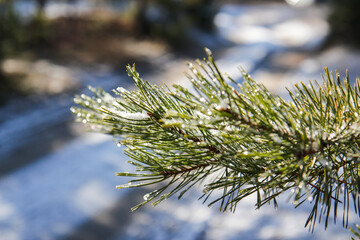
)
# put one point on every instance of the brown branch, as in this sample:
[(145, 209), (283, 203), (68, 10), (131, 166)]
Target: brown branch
[(179, 131), (195, 139), (324, 191), (254, 125), (180, 171)]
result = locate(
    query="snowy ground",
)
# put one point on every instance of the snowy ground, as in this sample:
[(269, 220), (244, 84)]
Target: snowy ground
[(70, 193)]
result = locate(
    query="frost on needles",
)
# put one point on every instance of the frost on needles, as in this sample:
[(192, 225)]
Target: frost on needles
[(237, 138)]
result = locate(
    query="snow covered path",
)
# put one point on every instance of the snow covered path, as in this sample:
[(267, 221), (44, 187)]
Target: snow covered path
[(50, 197), (55, 197)]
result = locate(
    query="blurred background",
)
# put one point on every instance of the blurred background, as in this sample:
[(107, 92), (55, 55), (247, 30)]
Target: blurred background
[(57, 180)]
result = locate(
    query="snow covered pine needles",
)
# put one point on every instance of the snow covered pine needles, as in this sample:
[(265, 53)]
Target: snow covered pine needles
[(237, 138)]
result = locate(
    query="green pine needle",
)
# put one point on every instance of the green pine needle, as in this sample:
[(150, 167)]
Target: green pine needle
[(356, 231), (237, 138)]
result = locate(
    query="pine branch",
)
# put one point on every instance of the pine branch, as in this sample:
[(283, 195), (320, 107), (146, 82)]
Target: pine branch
[(237, 138)]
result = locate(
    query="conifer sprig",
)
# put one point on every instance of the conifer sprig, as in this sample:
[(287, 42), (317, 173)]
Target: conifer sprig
[(237, 138)]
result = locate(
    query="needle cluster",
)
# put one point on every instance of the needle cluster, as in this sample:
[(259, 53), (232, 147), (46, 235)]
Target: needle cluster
[(239, 139)]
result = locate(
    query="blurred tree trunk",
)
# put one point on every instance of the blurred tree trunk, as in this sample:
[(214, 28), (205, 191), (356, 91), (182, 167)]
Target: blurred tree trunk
[(141, 17), (345, 20), (41, 6), (11, 42), (39, 25)]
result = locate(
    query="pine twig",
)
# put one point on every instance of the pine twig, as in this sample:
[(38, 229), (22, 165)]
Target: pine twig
[(237, 138)]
